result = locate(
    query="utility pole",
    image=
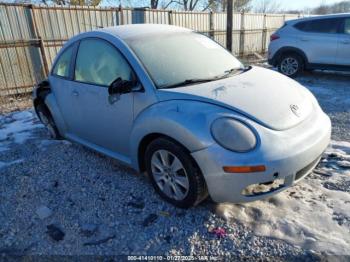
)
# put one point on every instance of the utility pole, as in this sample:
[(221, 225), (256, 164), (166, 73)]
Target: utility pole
[(229, 25)]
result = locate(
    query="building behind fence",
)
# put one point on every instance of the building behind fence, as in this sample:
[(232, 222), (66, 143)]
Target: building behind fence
[(31, 36)]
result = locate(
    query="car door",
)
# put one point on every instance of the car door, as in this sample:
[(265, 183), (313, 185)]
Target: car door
[(343, 54), (319, 39), (61, 85), (100, 121)]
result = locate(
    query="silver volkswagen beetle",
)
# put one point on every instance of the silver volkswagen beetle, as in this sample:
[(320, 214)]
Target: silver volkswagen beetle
[(175, 104)]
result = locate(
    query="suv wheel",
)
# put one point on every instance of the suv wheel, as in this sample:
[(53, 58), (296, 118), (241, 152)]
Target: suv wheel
[(47, 120), (173, 173), (290, 65)]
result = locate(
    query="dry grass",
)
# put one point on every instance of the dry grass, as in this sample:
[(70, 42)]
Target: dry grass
[(15, 103)]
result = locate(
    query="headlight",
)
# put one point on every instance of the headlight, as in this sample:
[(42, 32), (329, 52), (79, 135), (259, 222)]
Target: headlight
[(233, 135)]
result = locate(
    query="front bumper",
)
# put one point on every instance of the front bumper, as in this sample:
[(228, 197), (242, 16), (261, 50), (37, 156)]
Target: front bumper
[(288, 155)]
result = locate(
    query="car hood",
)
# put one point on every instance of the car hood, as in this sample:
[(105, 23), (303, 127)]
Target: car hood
[(263, 95)]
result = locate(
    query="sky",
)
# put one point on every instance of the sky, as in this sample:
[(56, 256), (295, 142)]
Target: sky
[(301, 4)]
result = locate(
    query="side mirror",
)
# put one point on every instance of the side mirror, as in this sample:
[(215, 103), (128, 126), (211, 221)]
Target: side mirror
[(120, 86)]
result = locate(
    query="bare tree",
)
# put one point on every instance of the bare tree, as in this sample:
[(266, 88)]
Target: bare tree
[(341, 7), (83, 2), (267, 6), (154, 4), (69, 2), (238, 5), (242, 5), (190, 5)]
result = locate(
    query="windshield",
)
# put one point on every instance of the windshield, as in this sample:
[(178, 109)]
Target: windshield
[(183, 57)]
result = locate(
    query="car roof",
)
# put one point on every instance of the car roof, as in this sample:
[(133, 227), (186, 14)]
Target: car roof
[(139, 30), (317, 17)]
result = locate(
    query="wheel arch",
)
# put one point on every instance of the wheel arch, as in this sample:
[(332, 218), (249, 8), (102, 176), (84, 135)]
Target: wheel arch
[(50, 103), (36, 102), (148, 139), (183, 126), (291, 50)]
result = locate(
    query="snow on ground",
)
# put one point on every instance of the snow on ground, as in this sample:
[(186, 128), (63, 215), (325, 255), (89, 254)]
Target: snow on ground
[(17, 127), (313, 215)]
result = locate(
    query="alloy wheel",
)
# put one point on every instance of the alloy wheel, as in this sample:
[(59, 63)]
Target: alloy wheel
[(169, 174), (289, 66)]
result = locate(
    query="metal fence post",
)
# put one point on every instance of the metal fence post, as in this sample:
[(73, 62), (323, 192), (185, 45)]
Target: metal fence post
[(241, 36), (121, 15), (229, 26), (264, 36), (43, 56), (170, 17), (44, 66), (211, 25)]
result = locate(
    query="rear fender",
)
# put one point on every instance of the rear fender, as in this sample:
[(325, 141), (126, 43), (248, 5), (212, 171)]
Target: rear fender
[(51, 103), (42, 94)]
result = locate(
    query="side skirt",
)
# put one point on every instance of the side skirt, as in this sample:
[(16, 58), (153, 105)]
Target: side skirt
[(123, 159)]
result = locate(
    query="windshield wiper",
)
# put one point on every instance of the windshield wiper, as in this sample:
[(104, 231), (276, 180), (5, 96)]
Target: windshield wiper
[(188, 82), (226, 74), (233, 71)]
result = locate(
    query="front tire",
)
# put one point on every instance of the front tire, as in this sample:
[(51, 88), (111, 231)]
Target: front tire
[(290, 65), (174, 174), (47, 120)]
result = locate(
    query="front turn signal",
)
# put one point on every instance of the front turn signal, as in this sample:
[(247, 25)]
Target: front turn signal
[(244, 169)]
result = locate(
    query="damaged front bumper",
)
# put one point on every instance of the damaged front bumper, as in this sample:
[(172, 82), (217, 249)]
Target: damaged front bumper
[(288, 156)]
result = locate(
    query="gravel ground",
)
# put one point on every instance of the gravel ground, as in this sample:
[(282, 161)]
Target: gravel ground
[(59, 198)]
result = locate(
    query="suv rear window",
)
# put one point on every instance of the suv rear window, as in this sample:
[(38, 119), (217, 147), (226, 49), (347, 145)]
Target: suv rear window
[(347, 26), (328, 26)]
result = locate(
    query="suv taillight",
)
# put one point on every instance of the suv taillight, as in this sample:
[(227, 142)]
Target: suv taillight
[(274, 37)]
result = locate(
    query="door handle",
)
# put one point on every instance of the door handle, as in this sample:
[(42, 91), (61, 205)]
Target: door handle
[(75, 93), (345, 42), (304, 39)]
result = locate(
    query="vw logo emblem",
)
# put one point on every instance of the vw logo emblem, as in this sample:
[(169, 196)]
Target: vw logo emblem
[(295, 109)]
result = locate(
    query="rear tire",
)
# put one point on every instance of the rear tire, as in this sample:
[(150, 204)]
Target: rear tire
[(290, 64), (47, 120), (174, 174)]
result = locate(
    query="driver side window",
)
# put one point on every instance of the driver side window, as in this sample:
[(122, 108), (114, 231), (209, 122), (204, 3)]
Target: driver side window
[(98, 62)]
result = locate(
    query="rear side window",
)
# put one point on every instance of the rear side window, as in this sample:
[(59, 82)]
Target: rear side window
[(327, 26), (347, 26), (62, 65)]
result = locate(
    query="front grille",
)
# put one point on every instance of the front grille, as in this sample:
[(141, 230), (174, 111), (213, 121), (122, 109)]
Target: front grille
[(306, 170)]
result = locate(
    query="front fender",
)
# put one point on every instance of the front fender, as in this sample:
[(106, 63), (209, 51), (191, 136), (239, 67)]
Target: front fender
[(187, 122)]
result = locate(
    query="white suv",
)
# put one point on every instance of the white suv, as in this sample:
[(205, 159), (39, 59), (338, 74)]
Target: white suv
[(320, 42)]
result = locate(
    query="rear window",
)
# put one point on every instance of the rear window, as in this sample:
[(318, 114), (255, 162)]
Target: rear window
[(328, 26), (347, 26), (62, 65)]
